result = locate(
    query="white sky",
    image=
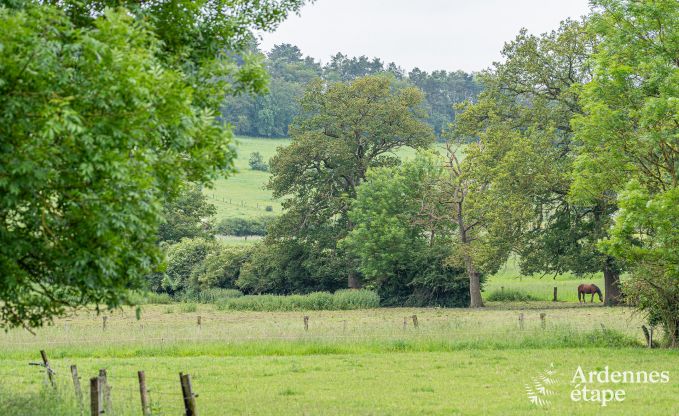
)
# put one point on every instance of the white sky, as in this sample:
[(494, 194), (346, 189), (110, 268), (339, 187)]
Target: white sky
[(429, 34)]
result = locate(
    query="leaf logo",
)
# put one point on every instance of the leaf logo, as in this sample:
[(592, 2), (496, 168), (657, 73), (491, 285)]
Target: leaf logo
[(537, 391)]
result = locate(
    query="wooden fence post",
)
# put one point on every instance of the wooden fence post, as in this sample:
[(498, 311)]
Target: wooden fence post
[(306, 323), (103, 322), (543, 321), (521, 320), (145, 409), (96, 402), (76, 386), (105, 391), (48, 369), (198, 321), (650, 337), (555, 297), (415, 324), (189, 397)]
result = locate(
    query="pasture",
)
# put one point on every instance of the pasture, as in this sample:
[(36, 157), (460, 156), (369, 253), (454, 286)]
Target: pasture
[(361, 362), (243, 195), (541, 288)]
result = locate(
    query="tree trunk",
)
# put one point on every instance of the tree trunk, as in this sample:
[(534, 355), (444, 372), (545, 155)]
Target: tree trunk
[(475, 300), (611, 283), (353, 280)]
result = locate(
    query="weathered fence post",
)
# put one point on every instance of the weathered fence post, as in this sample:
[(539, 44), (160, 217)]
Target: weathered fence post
[(344, 326), (48, 369), (555, 297), (187, 393), (198, 320), (521, 320), (76, 386), (96, 402), (543, 321), (415, 324), (145, 409), (105, 391), (306, 323), (103, 322)]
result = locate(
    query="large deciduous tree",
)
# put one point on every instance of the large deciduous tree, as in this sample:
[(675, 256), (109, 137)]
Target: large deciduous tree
[(525, 156), (104, 113), (345, 129), (403, 235), (629, 131)]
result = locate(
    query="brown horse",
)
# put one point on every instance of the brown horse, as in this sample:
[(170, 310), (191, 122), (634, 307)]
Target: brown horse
[(589, 289)]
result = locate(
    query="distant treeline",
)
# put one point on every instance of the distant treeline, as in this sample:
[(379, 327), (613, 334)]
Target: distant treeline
[(270, 114)]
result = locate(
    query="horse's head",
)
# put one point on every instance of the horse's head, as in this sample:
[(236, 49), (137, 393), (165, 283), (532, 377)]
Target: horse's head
[(598, 292)]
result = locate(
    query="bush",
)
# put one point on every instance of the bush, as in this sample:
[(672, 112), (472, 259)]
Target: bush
[(290, 266), (195, 265), (220, 268), (510, 295), (257, 162), (241, 227), (340, 300)]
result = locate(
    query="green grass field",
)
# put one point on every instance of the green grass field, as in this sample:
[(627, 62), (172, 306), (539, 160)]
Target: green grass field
[(243, 194), (362, 362), (542, 288)]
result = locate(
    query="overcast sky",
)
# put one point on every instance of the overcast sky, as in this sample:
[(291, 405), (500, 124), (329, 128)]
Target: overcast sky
[(429, 34)]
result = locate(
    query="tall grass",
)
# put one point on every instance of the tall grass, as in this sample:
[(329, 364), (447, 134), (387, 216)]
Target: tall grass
[(340, 300), (211, 295), (510, 295)]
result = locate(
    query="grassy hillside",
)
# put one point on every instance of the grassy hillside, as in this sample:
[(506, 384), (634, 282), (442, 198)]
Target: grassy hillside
[(243, 195)]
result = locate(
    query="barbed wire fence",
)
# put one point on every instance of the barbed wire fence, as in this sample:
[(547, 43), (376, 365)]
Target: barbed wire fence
[(268, 207), (104, 393)]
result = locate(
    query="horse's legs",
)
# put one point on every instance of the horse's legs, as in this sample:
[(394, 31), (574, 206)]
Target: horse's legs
[(592, 300)]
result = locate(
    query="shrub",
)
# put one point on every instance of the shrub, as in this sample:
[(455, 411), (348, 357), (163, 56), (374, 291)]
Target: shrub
[(220, 268), (257, 162), (181, 259), (510, 295), (195, 265), (290, 266), (268, 208), (241, 227), (342, 299)]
